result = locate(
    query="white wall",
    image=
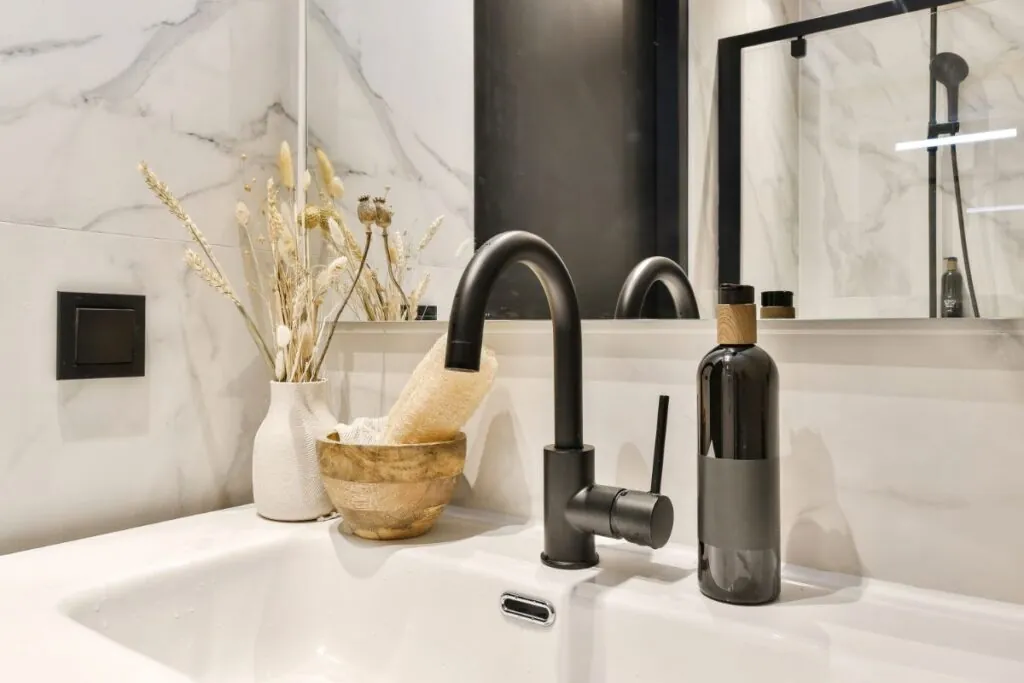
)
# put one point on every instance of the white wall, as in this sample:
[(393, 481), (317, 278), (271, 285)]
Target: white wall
[(87, 91), (901, 441)]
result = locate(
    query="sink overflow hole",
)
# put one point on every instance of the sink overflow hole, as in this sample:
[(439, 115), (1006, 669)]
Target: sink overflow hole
[(528, 609)]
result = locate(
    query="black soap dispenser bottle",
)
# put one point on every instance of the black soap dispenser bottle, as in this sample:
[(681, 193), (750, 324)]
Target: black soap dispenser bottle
[(738, 460)]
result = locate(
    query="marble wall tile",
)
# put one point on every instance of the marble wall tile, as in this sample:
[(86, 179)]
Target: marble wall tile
[(89, 456), (89, 89), (390, 99), (900, 440)]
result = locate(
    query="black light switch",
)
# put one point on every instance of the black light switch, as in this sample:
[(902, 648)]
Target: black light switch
[(100, 335), (104, 335)]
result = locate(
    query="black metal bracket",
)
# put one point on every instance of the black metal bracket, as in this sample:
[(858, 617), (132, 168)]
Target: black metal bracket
[(798, 48), (730, 120)]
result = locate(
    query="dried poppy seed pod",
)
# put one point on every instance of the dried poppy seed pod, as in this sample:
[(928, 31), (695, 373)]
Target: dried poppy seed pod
[(366, 212), (384, 214)]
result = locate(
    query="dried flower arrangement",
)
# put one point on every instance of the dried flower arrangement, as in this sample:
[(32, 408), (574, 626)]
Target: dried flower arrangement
[(380, 297), (295, 286)]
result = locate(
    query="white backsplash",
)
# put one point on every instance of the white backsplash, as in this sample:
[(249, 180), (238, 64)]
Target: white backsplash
[(901, 441)]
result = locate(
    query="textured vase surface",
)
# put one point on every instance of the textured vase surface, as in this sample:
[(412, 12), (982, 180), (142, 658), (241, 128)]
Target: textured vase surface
[(286, 480)]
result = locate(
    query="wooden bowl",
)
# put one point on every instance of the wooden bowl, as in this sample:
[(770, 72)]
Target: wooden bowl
[(390, 492)]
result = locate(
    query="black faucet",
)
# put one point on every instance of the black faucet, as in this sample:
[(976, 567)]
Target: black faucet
[(640, 280), (575, 508)]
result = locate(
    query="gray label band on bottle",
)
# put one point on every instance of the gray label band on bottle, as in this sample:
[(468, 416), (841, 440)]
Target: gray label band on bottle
[(738, 505)]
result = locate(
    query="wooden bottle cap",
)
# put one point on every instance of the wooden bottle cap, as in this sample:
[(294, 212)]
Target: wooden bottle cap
[(737, 324)]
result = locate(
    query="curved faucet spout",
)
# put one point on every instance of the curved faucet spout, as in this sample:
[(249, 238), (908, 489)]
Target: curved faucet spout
[(466, 323), (640, 280)]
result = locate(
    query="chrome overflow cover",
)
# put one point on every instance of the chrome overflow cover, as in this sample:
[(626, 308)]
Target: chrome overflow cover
[(533, 610)]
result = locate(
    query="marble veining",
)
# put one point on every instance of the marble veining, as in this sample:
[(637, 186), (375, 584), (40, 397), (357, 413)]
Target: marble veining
[(390, 99), (188, 85)]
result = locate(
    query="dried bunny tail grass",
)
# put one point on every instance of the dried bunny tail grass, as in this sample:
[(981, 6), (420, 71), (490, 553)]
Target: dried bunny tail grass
[(331, 276), (284, 166), (325, 169), (307, 180), (279, 368), (242, 214), (336, 189), (431, 232), (284, 336)]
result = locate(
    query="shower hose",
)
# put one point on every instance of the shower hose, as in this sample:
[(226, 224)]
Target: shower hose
[(963, 231)]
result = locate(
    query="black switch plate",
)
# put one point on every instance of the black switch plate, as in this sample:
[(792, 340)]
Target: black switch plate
[(100, 335)]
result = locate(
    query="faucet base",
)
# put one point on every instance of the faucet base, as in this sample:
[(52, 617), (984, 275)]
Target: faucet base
[(567, 471), (558, 564)]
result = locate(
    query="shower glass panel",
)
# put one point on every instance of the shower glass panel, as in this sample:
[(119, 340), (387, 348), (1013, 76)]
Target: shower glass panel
[(836, 170)]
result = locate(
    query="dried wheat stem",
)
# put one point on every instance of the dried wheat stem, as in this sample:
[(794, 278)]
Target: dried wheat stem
[(163, 193)]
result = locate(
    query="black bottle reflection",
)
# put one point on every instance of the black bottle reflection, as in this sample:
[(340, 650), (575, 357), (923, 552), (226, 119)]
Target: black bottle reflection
[(952, 290), (738, 498)]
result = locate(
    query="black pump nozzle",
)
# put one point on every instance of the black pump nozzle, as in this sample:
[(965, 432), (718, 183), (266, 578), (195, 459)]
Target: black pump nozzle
[(950, 69)]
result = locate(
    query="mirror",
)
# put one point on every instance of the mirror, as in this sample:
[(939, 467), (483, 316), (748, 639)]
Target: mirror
[(548, 114), (574, 120), (876, 147)]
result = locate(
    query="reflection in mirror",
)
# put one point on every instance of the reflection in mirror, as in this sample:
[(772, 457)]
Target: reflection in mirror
[(882, 169), (389, 101), (560, 118)]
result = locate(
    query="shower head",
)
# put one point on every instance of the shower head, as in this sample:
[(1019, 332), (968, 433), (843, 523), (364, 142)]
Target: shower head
[(950, 69)]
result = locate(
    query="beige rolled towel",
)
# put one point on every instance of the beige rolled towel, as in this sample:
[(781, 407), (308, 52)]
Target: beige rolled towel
[(436, 403)]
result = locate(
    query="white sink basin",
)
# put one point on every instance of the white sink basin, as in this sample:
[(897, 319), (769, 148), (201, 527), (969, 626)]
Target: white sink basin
[(230, 598)]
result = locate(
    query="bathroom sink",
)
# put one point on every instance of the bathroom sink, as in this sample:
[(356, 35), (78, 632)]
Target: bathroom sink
[(230, 598)]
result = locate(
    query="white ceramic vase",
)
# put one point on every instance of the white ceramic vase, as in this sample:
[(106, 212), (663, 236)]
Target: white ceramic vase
[(286, 481)]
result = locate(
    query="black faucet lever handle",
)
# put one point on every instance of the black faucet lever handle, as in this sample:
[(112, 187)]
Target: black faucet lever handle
[(659, 444)]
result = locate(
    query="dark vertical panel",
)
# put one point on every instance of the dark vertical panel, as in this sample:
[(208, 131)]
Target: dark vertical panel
[(684, 133), (565, 141), (730, 127), (669, 157), (668, 64)]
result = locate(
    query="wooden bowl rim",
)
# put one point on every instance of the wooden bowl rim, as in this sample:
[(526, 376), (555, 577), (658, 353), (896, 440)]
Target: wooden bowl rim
[(461, 436)]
